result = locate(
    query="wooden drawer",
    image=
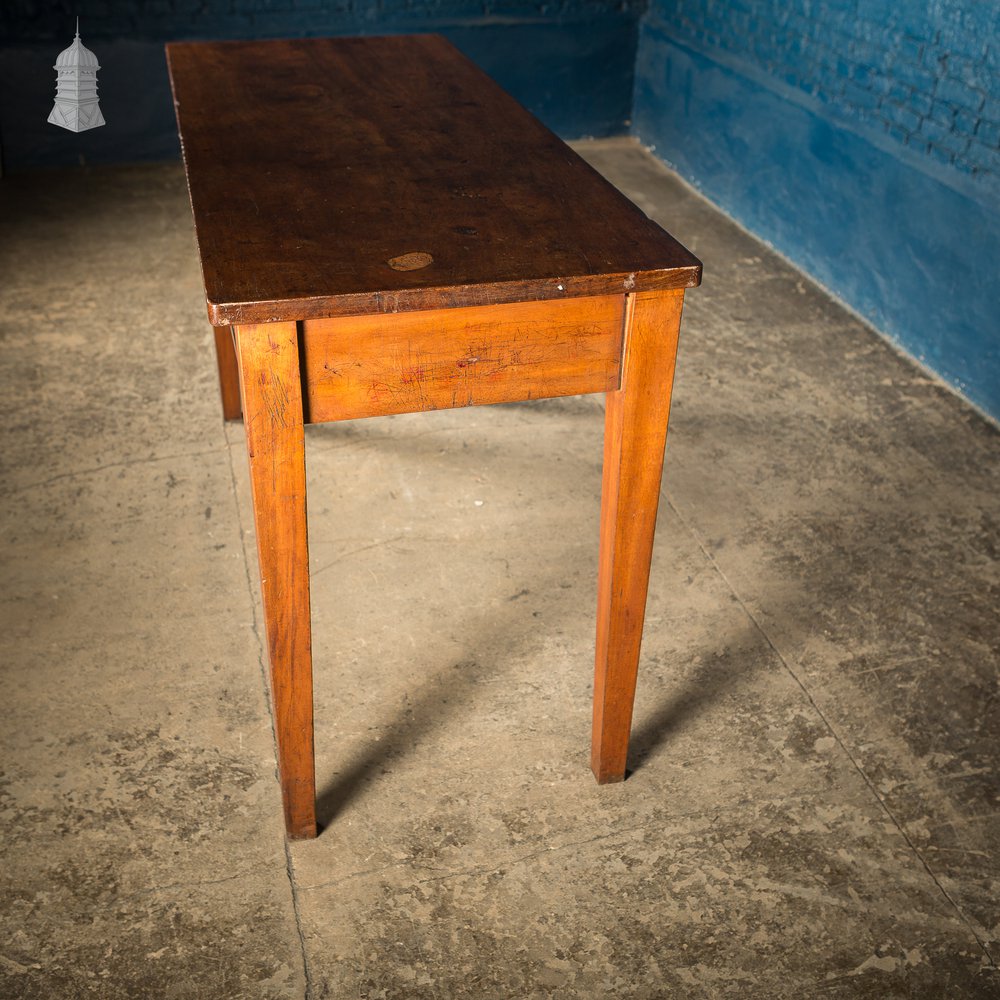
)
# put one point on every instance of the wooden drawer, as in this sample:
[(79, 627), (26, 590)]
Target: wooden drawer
[(360, 366)]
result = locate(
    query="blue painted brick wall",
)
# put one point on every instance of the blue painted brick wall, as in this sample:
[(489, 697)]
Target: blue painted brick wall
[(922, 74), (861, 138)]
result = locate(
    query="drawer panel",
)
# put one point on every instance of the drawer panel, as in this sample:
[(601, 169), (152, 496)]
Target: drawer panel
[(361, 366)]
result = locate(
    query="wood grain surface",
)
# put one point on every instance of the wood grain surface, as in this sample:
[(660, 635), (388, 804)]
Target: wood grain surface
[(229, 375), (360, 366), (635, 431), (269, 377), (314, 163)]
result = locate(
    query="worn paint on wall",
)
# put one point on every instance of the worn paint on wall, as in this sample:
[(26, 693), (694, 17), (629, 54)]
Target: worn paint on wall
[(886, 218), (920, 75), (571, 64)]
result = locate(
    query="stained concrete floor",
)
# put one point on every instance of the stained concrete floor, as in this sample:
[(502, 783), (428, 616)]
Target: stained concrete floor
[(814, 805)]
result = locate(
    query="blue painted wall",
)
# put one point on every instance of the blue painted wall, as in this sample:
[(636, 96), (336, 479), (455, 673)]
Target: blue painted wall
[(862, 139), (569, 62)]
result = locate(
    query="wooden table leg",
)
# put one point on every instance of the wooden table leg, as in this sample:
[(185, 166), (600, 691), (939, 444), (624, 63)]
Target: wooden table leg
[(635, 431), (272, 396), (229, 373)]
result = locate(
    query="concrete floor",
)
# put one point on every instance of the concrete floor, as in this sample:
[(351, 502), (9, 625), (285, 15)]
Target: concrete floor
[(814, 809)]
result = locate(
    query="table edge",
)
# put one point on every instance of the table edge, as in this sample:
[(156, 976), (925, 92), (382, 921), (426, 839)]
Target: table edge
[(450, 296)]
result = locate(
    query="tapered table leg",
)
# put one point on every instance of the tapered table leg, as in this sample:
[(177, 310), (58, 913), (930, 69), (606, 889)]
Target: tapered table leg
[(635, 431), (229, 375), (272, 398)]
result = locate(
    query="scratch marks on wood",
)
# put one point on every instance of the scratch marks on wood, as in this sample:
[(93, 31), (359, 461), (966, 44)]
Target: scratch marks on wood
[(362, 365), (269, 361), (412, 375), (275, 398)]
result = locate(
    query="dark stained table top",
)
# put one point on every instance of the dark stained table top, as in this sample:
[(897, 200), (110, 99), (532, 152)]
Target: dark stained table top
[(314, 163)]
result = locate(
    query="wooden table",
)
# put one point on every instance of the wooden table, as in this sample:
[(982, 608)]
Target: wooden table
[(382, 229)]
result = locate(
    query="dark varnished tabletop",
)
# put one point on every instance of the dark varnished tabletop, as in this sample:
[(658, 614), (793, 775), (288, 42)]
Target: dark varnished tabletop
[(313, 163)]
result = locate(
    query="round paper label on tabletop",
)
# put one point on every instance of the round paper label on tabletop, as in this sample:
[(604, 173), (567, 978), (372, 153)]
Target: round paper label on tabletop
[(412, 261)]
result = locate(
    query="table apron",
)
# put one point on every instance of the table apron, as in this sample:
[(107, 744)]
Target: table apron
[(361, 366)]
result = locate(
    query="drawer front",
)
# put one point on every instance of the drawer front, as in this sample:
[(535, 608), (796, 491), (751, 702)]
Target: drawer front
[(362, 366)]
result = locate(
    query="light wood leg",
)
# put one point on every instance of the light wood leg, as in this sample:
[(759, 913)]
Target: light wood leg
[(272, 397), (229, 373), (635, 431)]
